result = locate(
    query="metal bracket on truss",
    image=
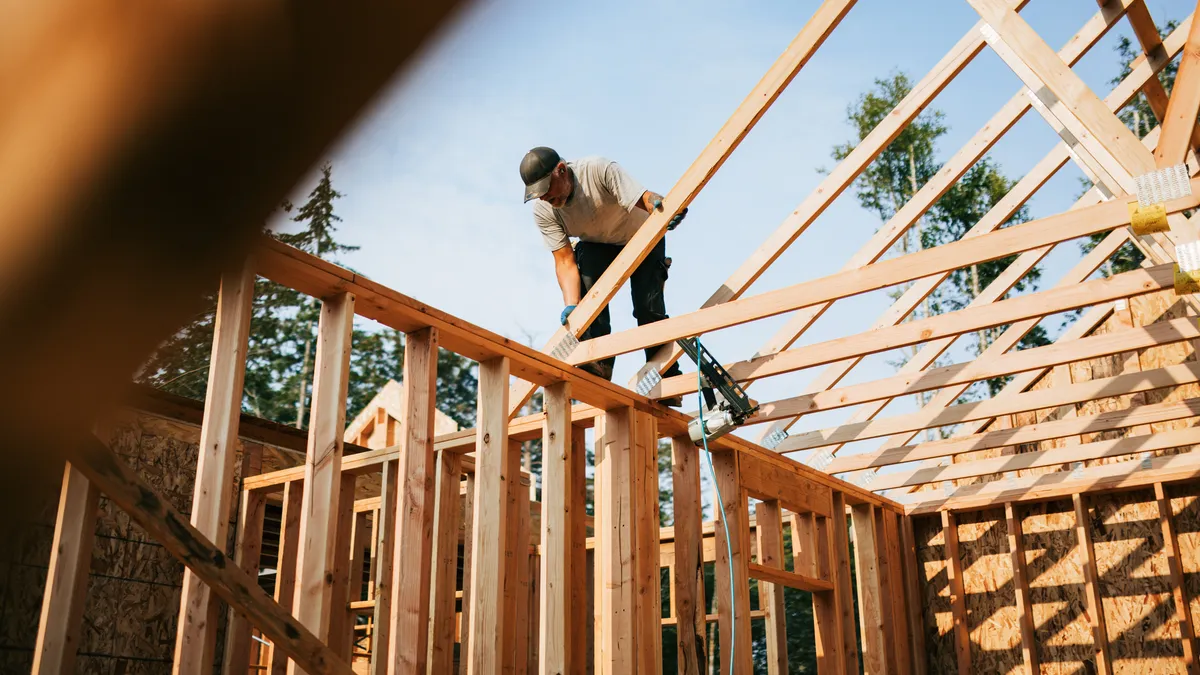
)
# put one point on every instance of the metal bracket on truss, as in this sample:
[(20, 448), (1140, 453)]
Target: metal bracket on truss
[(564, 347), (1076, 470), (1163, 185), (821, 460), (1149, 213), (1187, 268), (773, 439), (649, 381)]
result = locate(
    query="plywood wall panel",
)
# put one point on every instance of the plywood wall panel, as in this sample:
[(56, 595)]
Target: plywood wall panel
[(132, 603), (937, 623), (1054, 563), (1185, 502), (990, 598), (1135, 583)]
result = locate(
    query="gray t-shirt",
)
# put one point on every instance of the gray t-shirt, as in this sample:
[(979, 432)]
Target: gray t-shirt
[(602, 209)]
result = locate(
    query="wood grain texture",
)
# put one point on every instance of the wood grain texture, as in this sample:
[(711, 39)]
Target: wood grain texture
[(60, 623), (615, 520), (1179, 121), (285, 571), (732, 573), (1020, 581), (557, 532), (866, 567), (490, 521), (413, 533), (958, 600), (166, 524), (687, 593), (827, 624), (769, 532), (315, 560), (580, 598), (843, 585), (1095, 608), (1183, 610), (195, 640), (248, 554), (443, 581), (381, 625)]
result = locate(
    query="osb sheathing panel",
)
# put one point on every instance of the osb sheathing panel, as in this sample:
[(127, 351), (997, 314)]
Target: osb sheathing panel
[(1143, 629), (134, 587), (1096, 369), (1002, 422), (1185, 504), (1145, 310), (937, 620), (1155, 308), (1054, 570), (990, 598), (1135, 584)]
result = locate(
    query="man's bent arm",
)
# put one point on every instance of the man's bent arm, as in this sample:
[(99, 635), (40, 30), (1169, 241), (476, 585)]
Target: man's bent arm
[(568, 275), (646, 203)]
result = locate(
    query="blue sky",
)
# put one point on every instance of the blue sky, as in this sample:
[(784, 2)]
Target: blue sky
[(430, 173)]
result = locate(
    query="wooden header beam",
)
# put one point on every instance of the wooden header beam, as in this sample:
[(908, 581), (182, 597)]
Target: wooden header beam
[(311, 275)]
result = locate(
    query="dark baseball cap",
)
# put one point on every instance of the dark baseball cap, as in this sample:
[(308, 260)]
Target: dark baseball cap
[(535, 171)]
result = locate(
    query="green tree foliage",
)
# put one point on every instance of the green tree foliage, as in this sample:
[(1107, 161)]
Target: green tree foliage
[(904, 165), (281, 356), (900, 171), (1140, 118)]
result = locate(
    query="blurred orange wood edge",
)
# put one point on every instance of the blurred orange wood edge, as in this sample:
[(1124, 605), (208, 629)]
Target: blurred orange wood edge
[(142, 145)]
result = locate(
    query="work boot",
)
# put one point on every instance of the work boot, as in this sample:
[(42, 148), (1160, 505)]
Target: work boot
[(601, 369)]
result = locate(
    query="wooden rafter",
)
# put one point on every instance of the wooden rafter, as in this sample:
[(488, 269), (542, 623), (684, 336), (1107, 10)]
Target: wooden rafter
[(948, 257), (971, 152), (1177, 330), (968, 320), (927, 418), (785, 68), (840, 178), (1142, 70), (999, 438), (1110, 150), (1179, 121), (1057, 485)]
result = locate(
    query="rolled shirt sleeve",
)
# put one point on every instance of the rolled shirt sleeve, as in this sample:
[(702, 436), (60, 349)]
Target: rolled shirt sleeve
[(627, 190)]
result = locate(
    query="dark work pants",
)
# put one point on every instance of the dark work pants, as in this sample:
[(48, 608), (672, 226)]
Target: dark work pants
[(646, 286)]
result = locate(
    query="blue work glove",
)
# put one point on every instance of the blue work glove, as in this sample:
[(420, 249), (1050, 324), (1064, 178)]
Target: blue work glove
[(674, 221), (565, 313)]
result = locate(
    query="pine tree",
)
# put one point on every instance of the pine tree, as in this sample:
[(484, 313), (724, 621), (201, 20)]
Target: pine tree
[(960, 209), (281, 355), (899, 172)]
